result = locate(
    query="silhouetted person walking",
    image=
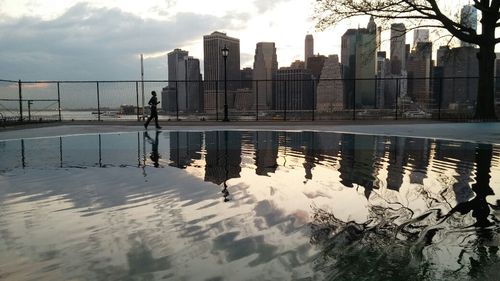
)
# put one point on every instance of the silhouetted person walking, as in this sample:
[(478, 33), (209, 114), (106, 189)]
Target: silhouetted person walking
[(153, 102)]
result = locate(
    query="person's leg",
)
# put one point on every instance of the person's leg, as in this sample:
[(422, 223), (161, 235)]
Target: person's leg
[(147, 121), (156, 120)]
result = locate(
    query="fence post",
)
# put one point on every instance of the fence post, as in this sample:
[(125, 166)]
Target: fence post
[(59, 100), (397, 95), (217, 99), (30, 102), (20, 101), (257, 100), (98, 103), (353, 99), (176, 101), (286, 94), (137, 100), (440, 97), (313, 98)]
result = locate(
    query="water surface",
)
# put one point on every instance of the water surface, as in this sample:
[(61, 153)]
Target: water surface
[(234, 205)]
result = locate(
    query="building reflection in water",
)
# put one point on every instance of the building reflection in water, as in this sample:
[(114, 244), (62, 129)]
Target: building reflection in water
[(462, 176), (223, 157), (266, 152), (370, 162), (185, 148)]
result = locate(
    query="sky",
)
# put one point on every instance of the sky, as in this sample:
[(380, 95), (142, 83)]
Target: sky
[(103, 39)]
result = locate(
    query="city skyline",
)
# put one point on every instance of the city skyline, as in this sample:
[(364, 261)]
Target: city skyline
[(103, 39)]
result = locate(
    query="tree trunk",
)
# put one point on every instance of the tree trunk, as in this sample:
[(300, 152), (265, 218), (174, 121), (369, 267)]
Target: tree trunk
[(485, 104)]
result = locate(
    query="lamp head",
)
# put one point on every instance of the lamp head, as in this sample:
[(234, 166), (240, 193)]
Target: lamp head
[(225, 51)]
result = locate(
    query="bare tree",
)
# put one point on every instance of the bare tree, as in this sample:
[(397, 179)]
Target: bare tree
[(433, 14)]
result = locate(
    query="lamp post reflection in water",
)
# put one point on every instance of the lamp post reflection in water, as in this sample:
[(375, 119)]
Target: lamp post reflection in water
[(226, 168)]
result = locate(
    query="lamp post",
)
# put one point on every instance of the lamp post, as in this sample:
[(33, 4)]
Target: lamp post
[(225, 53)]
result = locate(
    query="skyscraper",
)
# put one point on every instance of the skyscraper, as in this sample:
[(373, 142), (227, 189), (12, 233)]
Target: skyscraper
[(366, 52), (214, 67), (315, 65), (189, 89), (398, 48), (308, 47), (293, 89), (358, 53), (184, 90), (264, 67), (420, 35), (468, 18), (419, 67), (459, 62), (168, 93), (348, 60), (173, 58), (330, 91)]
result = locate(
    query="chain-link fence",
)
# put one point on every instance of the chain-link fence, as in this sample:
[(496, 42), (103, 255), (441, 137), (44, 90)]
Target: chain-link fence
[(443, 98)]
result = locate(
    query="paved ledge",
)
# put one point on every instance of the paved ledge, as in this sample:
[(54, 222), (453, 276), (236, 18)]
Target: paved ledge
[(474, 132)]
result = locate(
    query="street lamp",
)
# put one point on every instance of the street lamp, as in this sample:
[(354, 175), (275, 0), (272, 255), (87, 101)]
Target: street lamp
[(225, 53)]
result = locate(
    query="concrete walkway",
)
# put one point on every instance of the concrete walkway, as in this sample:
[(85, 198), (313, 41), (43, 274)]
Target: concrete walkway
[(474, 132)]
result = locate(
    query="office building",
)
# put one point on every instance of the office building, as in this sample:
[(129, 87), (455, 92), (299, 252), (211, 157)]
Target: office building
[(293, 89), (420, 35), (398, 48), (308, 48), (315, 65), (358, 57), (459, 62), (214, 68), (419, 68), (330, 89), (246, 78), (264, 67), (468, 18)]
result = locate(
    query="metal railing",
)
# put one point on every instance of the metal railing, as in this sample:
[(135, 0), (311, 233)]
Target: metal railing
[(252, 100)]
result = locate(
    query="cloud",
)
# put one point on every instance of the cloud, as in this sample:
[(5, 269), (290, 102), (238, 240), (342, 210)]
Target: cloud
[(266, 5), (87, 43)]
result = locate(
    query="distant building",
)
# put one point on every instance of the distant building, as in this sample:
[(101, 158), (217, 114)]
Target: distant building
[(468, 18), (366, 51), (420, 35), (190, 93), (293, 89), (315, 65), (348, 60), (459, 62), (214, 68), (398, 48), (264, 67), (330, 90), (308, 48), (298, 64), (383, 71), (173, 59), (246, 78), (169, 94), (419, 67), (244, 100), (358, 57), (184, 90)]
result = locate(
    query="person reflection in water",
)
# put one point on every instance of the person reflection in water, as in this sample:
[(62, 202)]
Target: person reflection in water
[(154, 156)]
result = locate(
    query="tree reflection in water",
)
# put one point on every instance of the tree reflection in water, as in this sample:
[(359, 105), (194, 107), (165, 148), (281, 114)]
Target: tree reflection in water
[(396, 244)]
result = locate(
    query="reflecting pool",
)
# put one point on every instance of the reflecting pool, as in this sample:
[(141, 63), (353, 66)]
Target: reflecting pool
[(248, 205)]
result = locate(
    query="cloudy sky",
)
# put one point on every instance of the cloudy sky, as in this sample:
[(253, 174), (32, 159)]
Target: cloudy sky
[(103, 39)]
